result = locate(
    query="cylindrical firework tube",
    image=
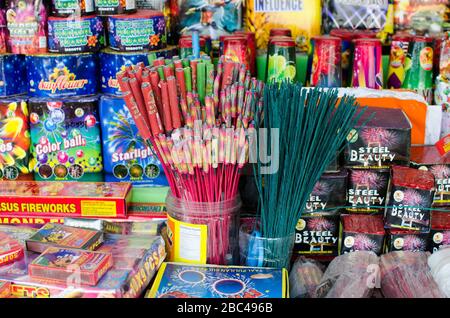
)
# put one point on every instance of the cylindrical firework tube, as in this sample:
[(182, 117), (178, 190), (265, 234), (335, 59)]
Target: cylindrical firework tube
[(167, 118), (152, 110), (137, 94), (173, 100), (138, 117), (367, 69), (326, 68), (201, 81), (179, 72), (154, 80)]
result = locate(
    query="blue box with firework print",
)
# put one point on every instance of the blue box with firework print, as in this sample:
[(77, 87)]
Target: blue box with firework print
[(175, 280), (12, 75), (65, 139), (58, 75), (127, 157)]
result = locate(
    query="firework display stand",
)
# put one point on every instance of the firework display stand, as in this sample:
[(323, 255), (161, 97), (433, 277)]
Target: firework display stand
[(224, 149)]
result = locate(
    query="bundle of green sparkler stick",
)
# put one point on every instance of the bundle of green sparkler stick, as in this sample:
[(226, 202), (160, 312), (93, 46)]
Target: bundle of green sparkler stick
[(312, 125)]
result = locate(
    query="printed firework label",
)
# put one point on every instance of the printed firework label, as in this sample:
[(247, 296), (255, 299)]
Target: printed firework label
[(408, 242), (352, 242), (278, 5), (442, 182), (328, 192), (409, 209), (439, 239)]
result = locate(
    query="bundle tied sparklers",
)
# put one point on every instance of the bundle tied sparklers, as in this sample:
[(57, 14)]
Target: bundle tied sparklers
[(313, 125)]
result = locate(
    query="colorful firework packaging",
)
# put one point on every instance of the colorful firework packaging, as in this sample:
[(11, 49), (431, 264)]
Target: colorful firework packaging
[(12, 75), (410, 199), (317, 234), (367, 190), (4, 289), (3, 31), (65, 136), (440, 231), (251, 49), (210, 281), (326, 67), (112, 7), (384, 140), (64, 8), (281, 61), (127, 155), (144, 30), (397, 61), (62, 75), (27, 26), (428, 158), (442, 97), (186, 49), (328, 192), (362, 233), (14, 140), (151, 4), (346, 37), (70, 35), (10, 250), (367, 64), (236, 49), (404, 240), (444, 63)]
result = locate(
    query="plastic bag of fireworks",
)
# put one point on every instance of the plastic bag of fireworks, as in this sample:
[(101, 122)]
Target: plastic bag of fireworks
[(351, 275), (439, 264), (405, 274), (304, 278)]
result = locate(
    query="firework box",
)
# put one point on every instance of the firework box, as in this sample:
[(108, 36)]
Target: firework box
[(212, 18), (12, 75), (144, 30), (61, 264), (127, 156), (63, 8), (151, 4), (65, 237), (31, 221), (58, 75), (362, 233), (176, 280), (75, 34), (317, 234), (410, 198), (404, 240), (367, 190), (440, 230), (18, 233), (4, 289), (428, 158), (328, 192), (385, 139), (302, 17), (65, 139), (14, 140), (112, 7), (10, 250), (64, 199), (96, 224)]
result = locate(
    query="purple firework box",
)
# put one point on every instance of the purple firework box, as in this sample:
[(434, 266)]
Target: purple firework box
[(428, 158), (328, 192), (404, 240), (381, 142), (362, 233)]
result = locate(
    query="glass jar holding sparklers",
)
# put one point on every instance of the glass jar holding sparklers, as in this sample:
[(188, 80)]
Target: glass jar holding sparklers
[(326, 66), (203, 232), (256, 250), (281, 60)]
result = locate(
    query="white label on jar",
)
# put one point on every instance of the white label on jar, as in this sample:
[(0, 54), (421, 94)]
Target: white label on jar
[(130, 4)]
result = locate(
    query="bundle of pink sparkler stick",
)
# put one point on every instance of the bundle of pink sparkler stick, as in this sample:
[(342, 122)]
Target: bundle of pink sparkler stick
[(196, 118)]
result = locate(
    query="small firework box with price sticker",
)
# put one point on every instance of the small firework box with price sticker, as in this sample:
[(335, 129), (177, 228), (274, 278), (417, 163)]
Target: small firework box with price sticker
[(428, 158), (63, 236), (176, 280), (64, 199), (61, 264)]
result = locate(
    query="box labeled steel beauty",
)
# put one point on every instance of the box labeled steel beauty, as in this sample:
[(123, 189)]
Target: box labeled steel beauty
[(362, 233), (404, 240), (383, 141), (410, 199), (328, 192)]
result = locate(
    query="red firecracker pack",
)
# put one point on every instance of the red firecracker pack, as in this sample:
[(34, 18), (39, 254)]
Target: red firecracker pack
[(4, 289), (53, 234), (64, 199), (70, 266), (10, 250), (362, 233)]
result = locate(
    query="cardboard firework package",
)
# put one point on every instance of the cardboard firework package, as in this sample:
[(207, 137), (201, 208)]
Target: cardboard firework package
[(404, 240), (18, 233), (96, 224), (61, 264), (52, 234), (10, 250), (328, 192), (4, 289), (440, 230)]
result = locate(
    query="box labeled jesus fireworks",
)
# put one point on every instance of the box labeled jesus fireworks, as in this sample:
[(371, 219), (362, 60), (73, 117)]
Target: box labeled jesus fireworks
[(440, 231), (176, 280), (64, 236), (58, 264), (65, 139), (428, 158), (317, 234), (64, 199), (328, 192), (404, 240), (410, 198), (362, 233), (385, 140), (367, 190)]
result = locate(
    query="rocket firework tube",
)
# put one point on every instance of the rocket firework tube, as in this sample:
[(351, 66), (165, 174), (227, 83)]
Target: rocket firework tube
[(152, 110), (419, 64), (326, 68), (281, 60), (235, 48), (251, 49), (367, 68), (166, 106), (173, 100), (399, 49), (144, 130)]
